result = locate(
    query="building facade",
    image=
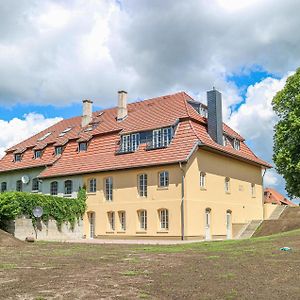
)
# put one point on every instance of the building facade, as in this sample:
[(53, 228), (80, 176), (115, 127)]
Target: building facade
[(166, 167)]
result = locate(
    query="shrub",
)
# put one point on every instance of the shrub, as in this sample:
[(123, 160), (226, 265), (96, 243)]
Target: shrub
[(15, 204)]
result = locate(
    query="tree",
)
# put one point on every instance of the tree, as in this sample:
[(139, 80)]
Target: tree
[(286, 156)]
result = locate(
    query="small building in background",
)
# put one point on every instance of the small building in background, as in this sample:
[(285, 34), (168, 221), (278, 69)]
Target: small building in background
[(274, 197)]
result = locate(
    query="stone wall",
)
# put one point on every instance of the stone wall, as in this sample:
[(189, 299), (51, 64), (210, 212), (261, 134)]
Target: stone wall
[(22, 228)]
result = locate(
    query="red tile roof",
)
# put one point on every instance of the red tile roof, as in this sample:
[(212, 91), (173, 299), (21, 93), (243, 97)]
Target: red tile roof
[(272, 196), (104, 139)]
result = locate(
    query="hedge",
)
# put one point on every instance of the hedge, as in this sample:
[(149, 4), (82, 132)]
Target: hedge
[(15, 204)]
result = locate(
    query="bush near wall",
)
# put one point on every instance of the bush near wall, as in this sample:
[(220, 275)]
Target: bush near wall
[(15, 204)]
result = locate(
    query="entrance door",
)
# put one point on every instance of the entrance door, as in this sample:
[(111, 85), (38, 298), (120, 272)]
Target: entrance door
[(207, 224), (228, 224), (92, 224)]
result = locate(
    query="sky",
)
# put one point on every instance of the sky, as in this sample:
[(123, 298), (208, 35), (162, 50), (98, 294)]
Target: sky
[(55, 53)]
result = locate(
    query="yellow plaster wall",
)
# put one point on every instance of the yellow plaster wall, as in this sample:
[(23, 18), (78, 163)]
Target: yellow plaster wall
[(126, 198), (268, 209), (244, 207)]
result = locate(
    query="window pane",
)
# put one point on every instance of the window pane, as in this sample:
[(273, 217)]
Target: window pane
[(54, 188)]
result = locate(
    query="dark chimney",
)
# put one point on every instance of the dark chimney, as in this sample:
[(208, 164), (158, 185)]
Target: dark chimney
[(214, 118)]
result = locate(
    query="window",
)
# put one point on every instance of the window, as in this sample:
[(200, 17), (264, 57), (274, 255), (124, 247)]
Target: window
[(44, 137), (82, 146), (92, 185), (164, 219), (164, 179), (125, 143), (108, 189), (135, 141), (166, 136), (19, 186), (111, 220), (253, 193), (54, 188), (68, 187), (227, 185), (35, 184), (18, 157), (143, 219), (202, 180), (156, 138), (142, 185), (58, 150), (236, 144), (37, 154), (122, 218), (65, 131), (224, 140), (3, 187)]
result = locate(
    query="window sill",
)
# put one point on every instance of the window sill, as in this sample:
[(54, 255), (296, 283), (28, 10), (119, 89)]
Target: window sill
[(109, 232), (35, 191), (67, 195), (141, 232), (228, 193), (162, 188), (203, 189), (163, 231), (123, 231), (91, 193)]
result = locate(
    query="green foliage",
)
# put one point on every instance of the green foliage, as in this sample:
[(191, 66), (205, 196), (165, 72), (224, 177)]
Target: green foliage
[(286, 156), (14, 204)]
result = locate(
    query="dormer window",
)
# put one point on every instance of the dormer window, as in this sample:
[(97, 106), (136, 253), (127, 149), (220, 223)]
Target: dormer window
[(37, 154), (224, 140), (18, 157), (161, 138), (82, 146), (236, 144), (58, 150), (129, 143)]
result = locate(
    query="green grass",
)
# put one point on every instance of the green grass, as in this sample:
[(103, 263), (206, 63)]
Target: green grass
[(130, 273), (7, 266)]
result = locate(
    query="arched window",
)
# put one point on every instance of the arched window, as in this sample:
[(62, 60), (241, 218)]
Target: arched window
[(227, 185), (202, 180), (68, 187), (3, 187), (92, 185), (54, 188), (19, 186), (35, 184), (164, 218), (142, 214)]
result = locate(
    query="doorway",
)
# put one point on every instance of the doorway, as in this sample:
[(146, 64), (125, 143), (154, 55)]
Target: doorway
[(208, 224), (228, 224), (91, 216)]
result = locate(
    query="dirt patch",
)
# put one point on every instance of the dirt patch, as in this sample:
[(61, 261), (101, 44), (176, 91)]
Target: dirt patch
[(248, 269), (7, 240)]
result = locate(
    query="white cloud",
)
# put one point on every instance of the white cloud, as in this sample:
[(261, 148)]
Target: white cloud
[(255, 120), (17, 130)]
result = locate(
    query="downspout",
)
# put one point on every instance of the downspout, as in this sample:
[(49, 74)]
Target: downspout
[(182, 200), (263, 193)]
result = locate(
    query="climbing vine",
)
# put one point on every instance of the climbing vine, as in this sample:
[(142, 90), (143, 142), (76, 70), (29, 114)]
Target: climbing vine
[(15, 204)]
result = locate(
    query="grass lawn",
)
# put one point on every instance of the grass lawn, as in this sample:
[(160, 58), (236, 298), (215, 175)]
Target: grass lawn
[(249, 269)]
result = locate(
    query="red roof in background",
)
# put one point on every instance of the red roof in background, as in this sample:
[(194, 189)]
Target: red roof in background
[(272, 196), (104, 138)]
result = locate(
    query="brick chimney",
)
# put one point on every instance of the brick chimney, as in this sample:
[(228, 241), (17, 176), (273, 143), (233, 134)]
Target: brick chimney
[(122, 105), (214, 118), (87, 112)]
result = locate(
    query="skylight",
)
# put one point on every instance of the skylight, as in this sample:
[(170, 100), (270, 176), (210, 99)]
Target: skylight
[(44, 136), (65, 131)]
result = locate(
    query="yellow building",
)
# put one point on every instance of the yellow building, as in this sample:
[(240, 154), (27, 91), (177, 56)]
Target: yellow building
[(166, 167)]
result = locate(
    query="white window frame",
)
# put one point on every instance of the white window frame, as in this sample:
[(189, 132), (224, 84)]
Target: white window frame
[(108, 188), (135, 141), (164, 219), (35, 185), (156, 138), (92, 185), (163, 179), (58, 152), (166, 136), (143, 219), (122, 219), (202, 180), (224, 140), (236, 144), (125, 147), (143, 185), (111, 220)]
